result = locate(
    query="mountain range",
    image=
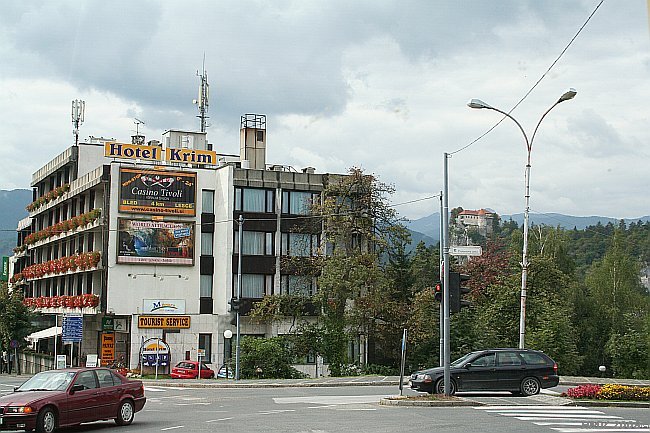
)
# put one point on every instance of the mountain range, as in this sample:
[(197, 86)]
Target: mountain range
[(426, 229), (429, 226)]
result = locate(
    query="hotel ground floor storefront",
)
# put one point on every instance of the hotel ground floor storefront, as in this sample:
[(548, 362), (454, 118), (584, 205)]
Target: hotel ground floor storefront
[(123, 341)]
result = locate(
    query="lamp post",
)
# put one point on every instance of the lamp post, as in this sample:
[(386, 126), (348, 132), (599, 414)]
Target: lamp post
[(477, 103), (227, 335), (240, 222)]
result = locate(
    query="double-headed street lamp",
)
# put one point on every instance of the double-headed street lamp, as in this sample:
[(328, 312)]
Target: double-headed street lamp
[(477, 103)]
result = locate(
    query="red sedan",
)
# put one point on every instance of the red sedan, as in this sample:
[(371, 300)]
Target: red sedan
[(190, 370), (58, 398)]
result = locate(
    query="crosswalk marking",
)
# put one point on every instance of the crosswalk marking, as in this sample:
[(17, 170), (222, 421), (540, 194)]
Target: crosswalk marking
[(567, 419)]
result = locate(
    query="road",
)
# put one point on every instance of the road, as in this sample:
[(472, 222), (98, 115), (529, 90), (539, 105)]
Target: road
[(354, 409)]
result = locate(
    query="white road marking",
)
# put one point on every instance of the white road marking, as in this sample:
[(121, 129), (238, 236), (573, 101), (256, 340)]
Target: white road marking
[(330, 399), (271, 412), (589, 429), (220, 419), (172, 428)]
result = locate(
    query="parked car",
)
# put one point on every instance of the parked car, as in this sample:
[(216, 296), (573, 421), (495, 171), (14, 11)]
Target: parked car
[(521, 371), (226, 372), (190, 370), (58, 398)]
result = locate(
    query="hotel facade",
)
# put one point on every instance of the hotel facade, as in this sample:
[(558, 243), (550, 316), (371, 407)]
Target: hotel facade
[(141, 241)]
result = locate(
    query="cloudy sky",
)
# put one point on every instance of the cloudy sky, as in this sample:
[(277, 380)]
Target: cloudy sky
[(377, 84)]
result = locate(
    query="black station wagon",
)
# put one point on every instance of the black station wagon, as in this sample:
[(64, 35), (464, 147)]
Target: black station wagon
[(521, 371)]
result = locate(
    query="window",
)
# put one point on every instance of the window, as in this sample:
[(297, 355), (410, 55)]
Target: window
[(87, 379), (484, 361), (508, 358), (205, 343), (205, 286), (298, 202), (206, 243), (297, 285), (254, 285), (255, 243), (299, 244), (533, 358), (105, 378), (207, 201), (254, 200), (89, 283)]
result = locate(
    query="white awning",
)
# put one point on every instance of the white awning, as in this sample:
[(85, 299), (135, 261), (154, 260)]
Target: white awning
[(45, 333)]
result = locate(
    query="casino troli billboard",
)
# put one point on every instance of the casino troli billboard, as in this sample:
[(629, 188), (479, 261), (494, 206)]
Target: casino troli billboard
[(157, 192), (155, 242)]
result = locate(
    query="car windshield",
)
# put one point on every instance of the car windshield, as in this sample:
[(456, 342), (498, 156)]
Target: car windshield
[(187, 365), (48, 381), (460, 360)]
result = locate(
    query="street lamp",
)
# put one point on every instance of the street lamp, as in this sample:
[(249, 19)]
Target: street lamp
[(477, 103)]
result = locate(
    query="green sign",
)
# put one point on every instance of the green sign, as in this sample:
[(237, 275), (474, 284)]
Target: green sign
[(107, 324), (5, 269)]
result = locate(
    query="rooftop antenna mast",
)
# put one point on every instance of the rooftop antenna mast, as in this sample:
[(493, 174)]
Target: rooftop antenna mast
[(78, 109), (137, 138), (137, 122), (204, 95)]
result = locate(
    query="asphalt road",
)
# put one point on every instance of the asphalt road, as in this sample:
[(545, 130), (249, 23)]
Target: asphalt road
[(354, 409)]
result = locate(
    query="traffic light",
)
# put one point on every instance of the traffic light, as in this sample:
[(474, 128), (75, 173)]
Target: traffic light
[(456, 291), (234, 304), (437, 289)]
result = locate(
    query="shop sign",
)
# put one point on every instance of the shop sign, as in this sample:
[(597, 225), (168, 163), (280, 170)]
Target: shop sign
[(132, 151), (155, 153), (164, 322), (157, 192), (155, 242), (154, 352), (5, 269), (108, 347), (163, 306), (108, 324)]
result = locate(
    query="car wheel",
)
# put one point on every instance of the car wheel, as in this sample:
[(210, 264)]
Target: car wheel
[(440, 386), (46, 421), (125, 413), (530, 386)]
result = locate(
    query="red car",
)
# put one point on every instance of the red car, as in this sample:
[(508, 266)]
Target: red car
[(190, 370), (58, 398)]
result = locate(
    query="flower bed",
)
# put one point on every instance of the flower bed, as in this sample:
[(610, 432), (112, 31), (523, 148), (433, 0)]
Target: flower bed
[(62, 265), (609, 391), (46, 198), (63, 226), (79, 301)]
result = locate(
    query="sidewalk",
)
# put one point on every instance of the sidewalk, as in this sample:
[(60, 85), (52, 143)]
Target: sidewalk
[(349, 381)]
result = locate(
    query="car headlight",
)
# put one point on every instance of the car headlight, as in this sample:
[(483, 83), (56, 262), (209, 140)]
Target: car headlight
[(424, 377), (19, 409)]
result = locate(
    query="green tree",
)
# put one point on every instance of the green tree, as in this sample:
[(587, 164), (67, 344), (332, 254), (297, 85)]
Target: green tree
[(15, 320)]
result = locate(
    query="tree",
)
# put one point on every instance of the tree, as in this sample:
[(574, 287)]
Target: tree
[(15, 320)]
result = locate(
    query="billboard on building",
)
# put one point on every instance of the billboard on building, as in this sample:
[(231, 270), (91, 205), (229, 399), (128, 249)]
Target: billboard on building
[(157, 192), (155, 242)]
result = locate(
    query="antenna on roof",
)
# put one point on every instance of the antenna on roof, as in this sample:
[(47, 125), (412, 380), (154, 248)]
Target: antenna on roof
[(78, 109), (137, 122), (204, 95), (137, 138)]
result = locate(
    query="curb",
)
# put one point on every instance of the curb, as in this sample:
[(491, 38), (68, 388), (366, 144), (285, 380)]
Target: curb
[(461, 402), (627, 404), (240, 385)]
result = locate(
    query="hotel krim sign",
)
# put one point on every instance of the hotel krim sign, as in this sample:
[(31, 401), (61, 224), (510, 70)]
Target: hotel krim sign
[(155, 153)]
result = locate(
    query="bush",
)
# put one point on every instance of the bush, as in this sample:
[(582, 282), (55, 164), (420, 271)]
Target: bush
[(381, 370), (610, 391), (267, 358), (622, 392), (583, 391)]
